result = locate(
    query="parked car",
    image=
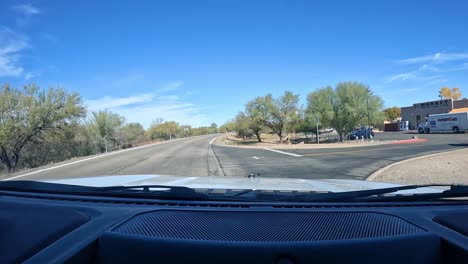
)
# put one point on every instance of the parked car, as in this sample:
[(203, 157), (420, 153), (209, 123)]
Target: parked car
[(353, 135), (360, 133)]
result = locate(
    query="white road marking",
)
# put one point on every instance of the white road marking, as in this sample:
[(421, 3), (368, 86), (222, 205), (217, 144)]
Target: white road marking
[(255, 157), (91, 158), (211, 141), (282, 152)]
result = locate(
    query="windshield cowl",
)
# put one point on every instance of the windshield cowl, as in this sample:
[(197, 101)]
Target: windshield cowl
[(238, 183)]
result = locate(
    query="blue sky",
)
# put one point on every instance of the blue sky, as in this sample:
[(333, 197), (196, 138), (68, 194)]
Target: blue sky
[(198, 62)]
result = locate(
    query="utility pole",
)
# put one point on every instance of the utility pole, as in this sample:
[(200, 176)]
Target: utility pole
[(105, 142), (317, 124), (368, 132)]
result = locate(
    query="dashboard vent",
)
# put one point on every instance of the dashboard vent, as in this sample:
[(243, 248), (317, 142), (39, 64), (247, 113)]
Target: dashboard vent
[(265, 226)]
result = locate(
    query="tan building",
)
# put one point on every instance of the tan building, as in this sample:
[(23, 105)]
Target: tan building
[(417, 113)]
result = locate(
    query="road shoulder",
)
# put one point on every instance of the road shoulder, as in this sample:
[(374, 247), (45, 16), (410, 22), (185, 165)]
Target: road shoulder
[(441, 168), (225, 141)]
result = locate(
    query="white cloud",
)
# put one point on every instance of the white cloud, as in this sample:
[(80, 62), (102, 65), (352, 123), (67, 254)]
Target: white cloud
[(440, 57), (412, 76), (11, 44), (429, 72), (109, 102), (171, 86), (137, 78), (181, 112), (461, 67), (402, 77), (436, 81), (428, 68), (144, 108), (27, 9), (30, 75)]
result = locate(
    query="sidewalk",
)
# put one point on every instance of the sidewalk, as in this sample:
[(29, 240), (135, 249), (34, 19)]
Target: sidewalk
[(444, 168)]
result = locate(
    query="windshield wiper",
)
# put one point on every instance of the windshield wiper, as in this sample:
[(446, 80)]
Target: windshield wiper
[(455, 191), (185, 193), (140, 191), (382, 194)]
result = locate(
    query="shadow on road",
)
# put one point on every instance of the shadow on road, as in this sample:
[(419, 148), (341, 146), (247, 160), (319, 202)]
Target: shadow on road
[(433, 133), (465, 145), (246, 143)]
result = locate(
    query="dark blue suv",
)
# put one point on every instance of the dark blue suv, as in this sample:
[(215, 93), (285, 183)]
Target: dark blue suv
[(359, 133)]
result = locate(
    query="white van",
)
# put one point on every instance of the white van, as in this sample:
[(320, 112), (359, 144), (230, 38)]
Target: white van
[(456, 122)]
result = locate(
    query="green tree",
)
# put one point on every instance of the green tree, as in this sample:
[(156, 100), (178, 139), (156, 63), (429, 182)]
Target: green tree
[(132, 134), (320, 104), (277, 114), (392, 113), (185, 131), (171, 128), (27, 114), (255, 121), (72, 140), (350, 104), (306, 123), (214, 128), (319, 107), (242, 123), (203, 130), (229, 126), (104, 125), (165, 130)]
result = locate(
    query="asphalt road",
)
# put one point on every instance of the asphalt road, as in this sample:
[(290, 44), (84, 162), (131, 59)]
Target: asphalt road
[(337, 163), (196, 157), (185, 157)]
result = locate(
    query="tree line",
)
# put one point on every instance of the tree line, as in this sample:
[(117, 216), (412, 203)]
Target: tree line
[(38, 127), (344, 107)]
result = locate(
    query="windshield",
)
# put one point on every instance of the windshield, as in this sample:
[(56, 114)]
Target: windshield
[(310, 96)]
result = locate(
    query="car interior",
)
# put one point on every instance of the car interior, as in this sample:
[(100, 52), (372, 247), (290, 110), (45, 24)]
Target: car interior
[(41, 227)]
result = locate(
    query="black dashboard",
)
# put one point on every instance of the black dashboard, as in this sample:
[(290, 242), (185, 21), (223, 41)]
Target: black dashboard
[(52, 228)]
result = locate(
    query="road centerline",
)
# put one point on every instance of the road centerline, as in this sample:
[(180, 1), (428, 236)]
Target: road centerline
[(283, 152)]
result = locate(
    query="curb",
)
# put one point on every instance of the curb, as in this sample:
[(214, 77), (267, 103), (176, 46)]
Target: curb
[(214, 166), (389, 142), (409, 141), (211, 152), (379, 171)]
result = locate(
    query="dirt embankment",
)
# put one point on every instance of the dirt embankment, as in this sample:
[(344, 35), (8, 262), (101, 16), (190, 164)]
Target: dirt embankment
[(445, 168), (272, 141)]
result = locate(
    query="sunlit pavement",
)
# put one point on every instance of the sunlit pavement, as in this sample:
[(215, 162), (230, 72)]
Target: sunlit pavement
[(337, 163), (194, 157)]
